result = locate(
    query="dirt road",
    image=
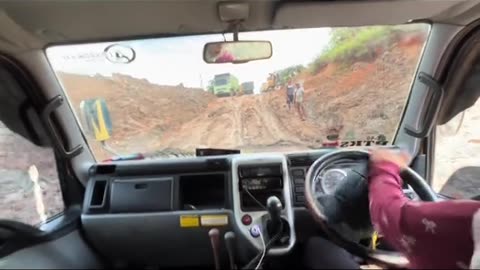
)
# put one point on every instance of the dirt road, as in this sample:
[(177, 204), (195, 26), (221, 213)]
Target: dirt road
[(246, 122)]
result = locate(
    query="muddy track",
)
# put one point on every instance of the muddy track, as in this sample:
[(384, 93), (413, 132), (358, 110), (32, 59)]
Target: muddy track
[(238, 127), (246, 121), (275, 126), (255, 125)]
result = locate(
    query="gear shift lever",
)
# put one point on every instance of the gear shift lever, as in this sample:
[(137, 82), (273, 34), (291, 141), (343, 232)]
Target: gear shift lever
[(230, 245), (274, 208), (214, 235)]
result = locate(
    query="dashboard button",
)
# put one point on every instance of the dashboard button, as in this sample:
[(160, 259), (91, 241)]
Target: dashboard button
[(299, 181), (300, 199), (300, 189), (298, 172), (246, 219), (255, 231)]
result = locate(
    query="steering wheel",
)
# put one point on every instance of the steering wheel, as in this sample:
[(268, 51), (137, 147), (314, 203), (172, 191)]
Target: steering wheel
[(343, 233)]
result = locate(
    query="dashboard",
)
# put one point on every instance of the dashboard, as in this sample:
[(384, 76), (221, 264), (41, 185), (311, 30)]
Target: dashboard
[(161, 212)]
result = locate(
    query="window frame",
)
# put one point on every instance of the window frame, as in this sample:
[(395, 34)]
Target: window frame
[(70, 187), (458, 49)]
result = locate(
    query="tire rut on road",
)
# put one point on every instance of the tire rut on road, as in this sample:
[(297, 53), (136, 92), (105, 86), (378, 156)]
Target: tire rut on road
[(237, 121), (275, 126), (256, 128), (242, 122)]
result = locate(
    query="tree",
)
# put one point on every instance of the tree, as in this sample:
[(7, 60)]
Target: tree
[(210, 86)]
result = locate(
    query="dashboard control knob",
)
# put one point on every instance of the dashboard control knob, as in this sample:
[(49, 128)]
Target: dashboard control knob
[(246, 219), (255, 231)]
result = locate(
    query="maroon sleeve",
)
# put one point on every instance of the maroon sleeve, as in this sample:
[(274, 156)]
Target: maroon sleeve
[(386, 199), (424, 231)]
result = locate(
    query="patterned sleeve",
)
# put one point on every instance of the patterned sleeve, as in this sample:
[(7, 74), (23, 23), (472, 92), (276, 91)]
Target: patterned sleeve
[(386, 200), (424, 231)]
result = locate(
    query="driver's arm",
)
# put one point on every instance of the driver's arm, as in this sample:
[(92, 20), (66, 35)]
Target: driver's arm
[(427, 232), (386, 197)]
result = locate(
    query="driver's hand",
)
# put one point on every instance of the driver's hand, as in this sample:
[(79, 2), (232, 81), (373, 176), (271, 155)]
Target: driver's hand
[(399, 158)]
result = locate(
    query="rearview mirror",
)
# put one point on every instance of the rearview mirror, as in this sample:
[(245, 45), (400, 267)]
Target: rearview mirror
[(95, 119), (236, 51)]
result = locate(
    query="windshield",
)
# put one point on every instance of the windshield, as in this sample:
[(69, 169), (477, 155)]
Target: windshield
[(322, 87), (220, 81)]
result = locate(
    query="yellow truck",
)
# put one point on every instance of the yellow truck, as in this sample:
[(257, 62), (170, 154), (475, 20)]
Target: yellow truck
[(270, 84)]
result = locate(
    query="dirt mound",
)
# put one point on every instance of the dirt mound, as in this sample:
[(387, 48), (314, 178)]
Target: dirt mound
[(367, 98), (137, 107)]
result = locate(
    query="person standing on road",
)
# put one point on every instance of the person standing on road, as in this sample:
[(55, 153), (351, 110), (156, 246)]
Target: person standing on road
[(290, 93), (299, 93)]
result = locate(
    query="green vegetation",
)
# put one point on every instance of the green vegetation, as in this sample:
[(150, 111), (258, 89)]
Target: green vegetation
[(349, 45), (210, 86), (284, 74)]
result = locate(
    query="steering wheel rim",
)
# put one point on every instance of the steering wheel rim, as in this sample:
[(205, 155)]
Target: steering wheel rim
[(412, 178)]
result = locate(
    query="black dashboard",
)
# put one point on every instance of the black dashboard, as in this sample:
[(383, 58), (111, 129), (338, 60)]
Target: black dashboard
[(160, 212)]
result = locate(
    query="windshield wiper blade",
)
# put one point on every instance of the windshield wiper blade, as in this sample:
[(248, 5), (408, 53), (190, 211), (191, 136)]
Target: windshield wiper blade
[(201, 152), (169, 153), (137, 156), (174, 153)]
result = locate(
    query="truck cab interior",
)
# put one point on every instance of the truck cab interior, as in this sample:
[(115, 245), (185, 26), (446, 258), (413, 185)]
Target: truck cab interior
[(95, 178)]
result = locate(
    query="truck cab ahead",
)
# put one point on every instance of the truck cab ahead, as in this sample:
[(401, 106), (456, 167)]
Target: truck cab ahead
[(225, 85)]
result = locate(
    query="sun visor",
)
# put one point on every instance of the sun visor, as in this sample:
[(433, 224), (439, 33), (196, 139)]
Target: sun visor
[(356, 13), (14, 37)]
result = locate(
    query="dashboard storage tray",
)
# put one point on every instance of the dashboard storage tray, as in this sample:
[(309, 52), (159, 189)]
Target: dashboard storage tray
[(141, 195)]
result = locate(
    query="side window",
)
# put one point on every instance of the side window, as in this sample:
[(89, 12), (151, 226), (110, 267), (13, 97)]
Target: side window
[(29, 186), (457, 155)]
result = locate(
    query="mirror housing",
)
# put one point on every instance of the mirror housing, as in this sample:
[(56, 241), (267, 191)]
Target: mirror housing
[(453, 126), (95, 119), (236, 51), (462, 184)]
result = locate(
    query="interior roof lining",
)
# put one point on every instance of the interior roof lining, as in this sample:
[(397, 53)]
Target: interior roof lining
[(33, 25), (334, 14)]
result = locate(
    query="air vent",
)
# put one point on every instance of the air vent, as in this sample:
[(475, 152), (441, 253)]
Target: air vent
[(218, 164), (300, 161), (298, 185), (98, 194), (255, 171)]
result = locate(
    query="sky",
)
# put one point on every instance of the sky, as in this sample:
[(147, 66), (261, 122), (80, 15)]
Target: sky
[(171, 61)]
